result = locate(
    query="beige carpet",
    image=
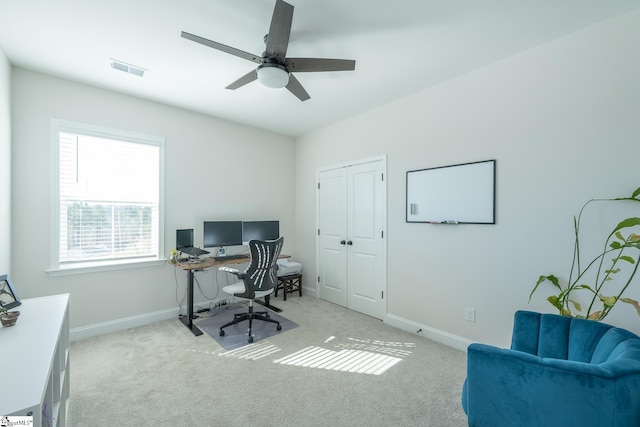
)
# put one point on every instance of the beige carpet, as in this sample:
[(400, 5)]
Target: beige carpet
[(338, 368)]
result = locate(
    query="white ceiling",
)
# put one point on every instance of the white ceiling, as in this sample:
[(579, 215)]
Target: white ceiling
[(400, 47)]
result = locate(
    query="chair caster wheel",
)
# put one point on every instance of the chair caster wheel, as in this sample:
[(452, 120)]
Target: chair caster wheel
[(278, 327), (221, 333), (250, 339)]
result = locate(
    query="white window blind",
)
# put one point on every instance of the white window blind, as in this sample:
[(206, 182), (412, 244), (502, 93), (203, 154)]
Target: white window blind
[(109, 196)]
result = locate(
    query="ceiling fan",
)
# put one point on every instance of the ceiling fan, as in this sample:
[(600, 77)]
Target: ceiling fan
[(274, 68)]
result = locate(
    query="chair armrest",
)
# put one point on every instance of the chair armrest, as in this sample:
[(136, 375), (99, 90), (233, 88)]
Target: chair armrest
[(229, 270), (612, 370), (578, 368)]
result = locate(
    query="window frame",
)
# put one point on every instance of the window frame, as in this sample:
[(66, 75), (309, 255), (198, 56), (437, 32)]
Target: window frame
[(56, 269)]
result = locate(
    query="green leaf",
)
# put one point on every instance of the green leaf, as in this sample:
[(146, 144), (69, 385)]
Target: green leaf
[(553, 279), (636, 193), (628, 259), (585, 287), (614, 271), (629, 222), (555, 301), (633, 303), (576, 304), (615, 245), (620, 236), (608, 301)]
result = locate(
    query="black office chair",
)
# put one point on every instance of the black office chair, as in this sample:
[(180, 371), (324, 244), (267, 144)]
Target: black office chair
[(257, 280)]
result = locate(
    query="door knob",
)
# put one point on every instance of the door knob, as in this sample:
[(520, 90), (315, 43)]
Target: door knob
[(342, 242), (349, 243)]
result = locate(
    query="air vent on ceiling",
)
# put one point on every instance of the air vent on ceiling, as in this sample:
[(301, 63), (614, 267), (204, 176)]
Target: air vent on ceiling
[(127, 68)]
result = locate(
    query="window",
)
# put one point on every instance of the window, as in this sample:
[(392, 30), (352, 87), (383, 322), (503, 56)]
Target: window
[(108, 198)]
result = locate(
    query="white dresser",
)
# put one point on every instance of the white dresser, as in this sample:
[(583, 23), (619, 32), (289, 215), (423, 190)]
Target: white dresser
[(34, 357)]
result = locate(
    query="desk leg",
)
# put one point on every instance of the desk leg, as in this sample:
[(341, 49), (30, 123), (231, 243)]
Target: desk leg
[(267, 304), (188, 319)]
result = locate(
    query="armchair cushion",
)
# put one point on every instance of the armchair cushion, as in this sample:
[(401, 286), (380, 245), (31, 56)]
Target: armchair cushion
[(559, 371)]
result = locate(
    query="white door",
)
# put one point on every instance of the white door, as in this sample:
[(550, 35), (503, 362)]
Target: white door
[(332, 232), (351, 223), (366, 274)]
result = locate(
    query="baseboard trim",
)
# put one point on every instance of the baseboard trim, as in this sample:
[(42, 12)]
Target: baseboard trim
[(442, 337), (121, 324), (412, 327), (312, 292), (138, 320)]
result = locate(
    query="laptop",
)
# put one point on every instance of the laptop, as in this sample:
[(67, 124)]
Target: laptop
[(184, 243)]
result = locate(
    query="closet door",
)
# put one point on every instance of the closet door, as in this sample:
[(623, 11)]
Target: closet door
[(332, 232), (351, 246), (366, 264)]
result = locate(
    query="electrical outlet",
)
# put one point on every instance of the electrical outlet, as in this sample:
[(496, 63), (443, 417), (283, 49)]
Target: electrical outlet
[(470, 314), (220, 302)]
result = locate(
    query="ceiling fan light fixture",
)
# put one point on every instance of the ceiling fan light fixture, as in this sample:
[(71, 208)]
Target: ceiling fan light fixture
[(273, 75)]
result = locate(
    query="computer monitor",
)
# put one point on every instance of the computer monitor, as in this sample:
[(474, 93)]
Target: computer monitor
[(184, 238), (260, 230), (222, 233)]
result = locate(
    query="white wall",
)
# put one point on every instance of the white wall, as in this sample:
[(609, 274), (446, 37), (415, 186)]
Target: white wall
[(5, 165), (562, 120), (203, 155)]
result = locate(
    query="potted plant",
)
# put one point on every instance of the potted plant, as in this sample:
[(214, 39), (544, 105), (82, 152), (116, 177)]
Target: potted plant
[(173, 259), (8, 318), (607, 282)]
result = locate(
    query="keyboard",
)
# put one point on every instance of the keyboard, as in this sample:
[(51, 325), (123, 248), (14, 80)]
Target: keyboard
[(231, 257)]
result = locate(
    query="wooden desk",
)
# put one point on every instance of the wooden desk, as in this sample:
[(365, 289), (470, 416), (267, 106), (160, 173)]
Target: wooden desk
[(205, 263)]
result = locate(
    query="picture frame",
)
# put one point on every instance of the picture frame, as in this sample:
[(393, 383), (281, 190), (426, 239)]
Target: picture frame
[(8, 297)]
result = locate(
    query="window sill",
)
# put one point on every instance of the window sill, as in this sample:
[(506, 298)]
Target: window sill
[(95, 267)]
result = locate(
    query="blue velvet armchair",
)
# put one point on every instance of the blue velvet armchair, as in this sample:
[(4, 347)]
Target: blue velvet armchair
[(560, 371)]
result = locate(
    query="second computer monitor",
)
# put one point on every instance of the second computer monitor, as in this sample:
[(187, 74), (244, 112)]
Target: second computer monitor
[(222, 233), (260, 230), (184, 238)]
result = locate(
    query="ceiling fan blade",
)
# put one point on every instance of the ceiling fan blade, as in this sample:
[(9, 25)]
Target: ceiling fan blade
[(319, 64), (279, 31), (247, 78), (224, 48), (296, 88)]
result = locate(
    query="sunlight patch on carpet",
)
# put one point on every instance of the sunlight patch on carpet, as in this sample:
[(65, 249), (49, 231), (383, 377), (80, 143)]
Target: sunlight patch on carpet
[(397, 349), (252, 351), (248, 352), (357, 361)]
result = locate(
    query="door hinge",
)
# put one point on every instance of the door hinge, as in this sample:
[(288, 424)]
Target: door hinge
[(318, 279), (382, 294), (382, 177), (318, 231), (318, 186), (382, 234)]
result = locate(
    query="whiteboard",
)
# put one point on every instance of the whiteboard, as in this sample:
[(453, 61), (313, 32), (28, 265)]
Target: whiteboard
[(456, 194)]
